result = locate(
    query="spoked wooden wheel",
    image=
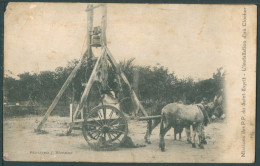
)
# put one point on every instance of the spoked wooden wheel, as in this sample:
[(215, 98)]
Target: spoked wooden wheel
[(105, 127)]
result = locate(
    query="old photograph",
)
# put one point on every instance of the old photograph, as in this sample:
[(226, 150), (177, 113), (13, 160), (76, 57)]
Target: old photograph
[(129, 83)]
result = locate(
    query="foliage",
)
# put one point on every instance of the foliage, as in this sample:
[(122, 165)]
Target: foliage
[(152, 84)]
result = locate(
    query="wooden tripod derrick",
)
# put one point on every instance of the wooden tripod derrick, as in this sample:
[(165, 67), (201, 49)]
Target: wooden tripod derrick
[(98, 74)]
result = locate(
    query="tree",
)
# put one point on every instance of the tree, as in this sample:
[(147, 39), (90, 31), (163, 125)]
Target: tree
[(152, 84), (10, 89)]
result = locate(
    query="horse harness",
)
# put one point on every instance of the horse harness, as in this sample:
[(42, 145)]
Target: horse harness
[(205, 114)]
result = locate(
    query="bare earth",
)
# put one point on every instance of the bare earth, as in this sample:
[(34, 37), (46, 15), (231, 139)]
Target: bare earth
[(22, 144)]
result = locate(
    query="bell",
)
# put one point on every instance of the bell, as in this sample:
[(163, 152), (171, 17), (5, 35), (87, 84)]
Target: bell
[(96, 41)]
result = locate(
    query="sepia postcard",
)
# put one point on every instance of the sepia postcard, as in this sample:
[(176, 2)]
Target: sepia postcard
[(129, 83)]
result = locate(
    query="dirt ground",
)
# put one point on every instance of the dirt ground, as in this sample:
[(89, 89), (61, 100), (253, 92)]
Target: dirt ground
[(22, 144)]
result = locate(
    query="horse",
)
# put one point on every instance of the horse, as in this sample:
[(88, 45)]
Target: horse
[(176, 115), (211, 108)]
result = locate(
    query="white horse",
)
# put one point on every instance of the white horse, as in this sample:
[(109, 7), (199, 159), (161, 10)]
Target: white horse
[(180, 115)]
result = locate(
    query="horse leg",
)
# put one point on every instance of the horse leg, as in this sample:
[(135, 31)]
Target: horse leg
[(148, 132), (194, 128), (163, 131), (150, 127), (175, 133), (201, 135), (180, 132), (162, 134), (187, 129), (203, 138)]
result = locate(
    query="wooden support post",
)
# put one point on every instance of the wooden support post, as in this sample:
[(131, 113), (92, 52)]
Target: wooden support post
[(89, 29), (71, 112), (104, 26), (68, 132), (149, 125), (113, 62), (88, 86), (57, 98)]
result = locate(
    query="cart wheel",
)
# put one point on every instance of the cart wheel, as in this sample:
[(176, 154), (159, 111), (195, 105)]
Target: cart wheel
[(105, 128)]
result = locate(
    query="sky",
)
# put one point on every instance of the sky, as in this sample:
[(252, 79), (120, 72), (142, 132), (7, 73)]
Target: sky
[(191, 40)]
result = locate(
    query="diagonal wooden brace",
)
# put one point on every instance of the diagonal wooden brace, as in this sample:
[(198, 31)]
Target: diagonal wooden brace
[(114, 63), (88, 86), (57, 98)]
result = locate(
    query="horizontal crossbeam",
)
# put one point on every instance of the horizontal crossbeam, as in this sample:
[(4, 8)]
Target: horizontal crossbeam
[(149, 117), (94, 7)]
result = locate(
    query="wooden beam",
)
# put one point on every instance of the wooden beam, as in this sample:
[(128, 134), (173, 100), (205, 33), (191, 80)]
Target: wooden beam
[(90, 16), (94, 7), (88, 86), (71, 112), (113, 62), (78, 121), (149, 117), (57, 98), (104, 26)]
